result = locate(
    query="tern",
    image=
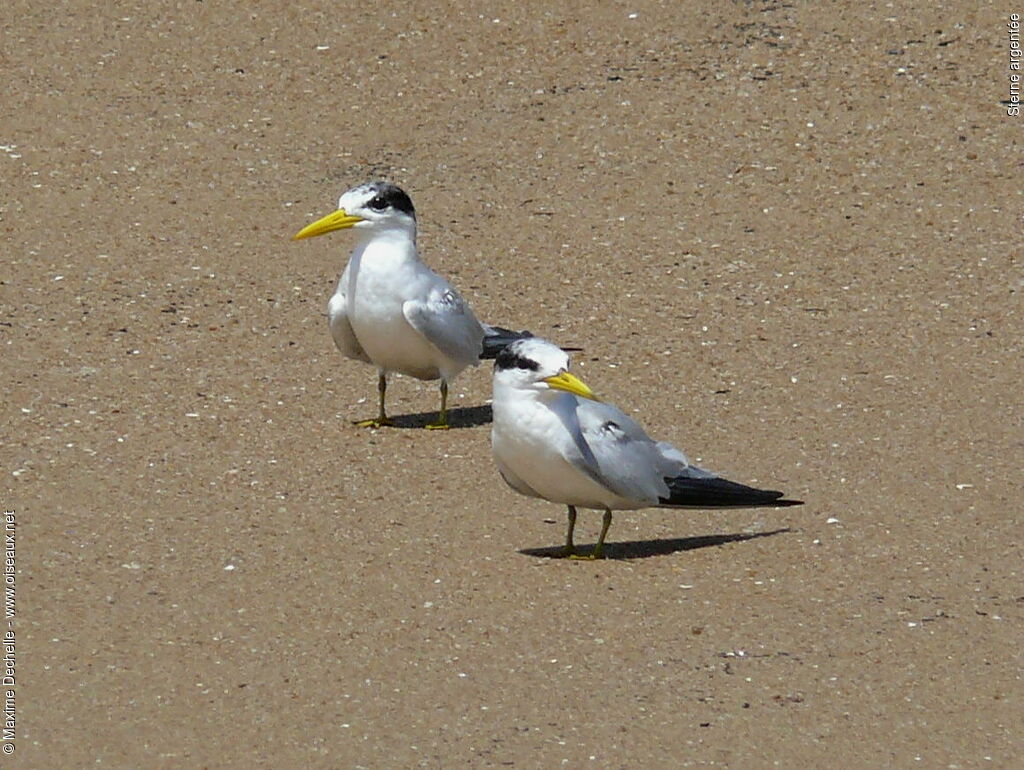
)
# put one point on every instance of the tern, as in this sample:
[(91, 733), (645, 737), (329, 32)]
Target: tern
[(390, 309), (553, 439)]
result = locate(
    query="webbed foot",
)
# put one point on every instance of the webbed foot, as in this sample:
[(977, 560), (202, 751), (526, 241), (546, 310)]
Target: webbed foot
[(377, 422)]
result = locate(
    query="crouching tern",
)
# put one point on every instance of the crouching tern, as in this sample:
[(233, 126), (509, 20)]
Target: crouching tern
[(390, 309), (553, 439)]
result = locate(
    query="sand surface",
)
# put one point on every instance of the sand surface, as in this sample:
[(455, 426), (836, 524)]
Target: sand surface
[(787, 235)]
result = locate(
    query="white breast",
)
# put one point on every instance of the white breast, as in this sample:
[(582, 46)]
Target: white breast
[(529, 439), (381, 280)]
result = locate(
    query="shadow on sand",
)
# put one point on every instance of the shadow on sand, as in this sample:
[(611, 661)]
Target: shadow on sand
[(642, 549), (458, 418)]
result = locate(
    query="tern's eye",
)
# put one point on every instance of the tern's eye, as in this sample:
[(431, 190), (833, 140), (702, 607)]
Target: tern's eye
[(378, 203)]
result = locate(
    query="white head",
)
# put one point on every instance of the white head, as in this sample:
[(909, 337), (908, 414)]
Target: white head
[(372, 206), (538, 366)]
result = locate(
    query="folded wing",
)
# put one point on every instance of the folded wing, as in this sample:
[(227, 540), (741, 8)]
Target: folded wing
[(620, 454), (341, 327), (447, 322)]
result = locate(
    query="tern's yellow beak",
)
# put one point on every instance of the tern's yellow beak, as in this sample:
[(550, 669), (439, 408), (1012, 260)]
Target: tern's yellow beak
[(339, 220), (571, 384)]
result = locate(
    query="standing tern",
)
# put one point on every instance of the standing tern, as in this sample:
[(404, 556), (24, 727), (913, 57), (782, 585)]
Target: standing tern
[(553, 439), (390, 309)]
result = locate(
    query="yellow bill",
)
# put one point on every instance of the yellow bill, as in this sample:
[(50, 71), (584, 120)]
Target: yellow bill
[(338, 220), (571, 384)]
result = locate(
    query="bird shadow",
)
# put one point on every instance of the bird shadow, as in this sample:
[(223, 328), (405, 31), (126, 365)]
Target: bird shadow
[(643, 549), (458, 418)]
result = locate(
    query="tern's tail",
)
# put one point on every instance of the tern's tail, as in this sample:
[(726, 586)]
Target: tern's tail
[(497, 339), (715, 492)]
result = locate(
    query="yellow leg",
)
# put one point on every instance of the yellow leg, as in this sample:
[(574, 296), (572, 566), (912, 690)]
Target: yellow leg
[(605, 524), (442, 416), (382, 417), (570, 549), (597, 553)]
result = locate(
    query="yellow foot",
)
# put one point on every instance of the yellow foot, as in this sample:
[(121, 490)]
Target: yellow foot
[(438, 425), (375, 423), (570, 552)]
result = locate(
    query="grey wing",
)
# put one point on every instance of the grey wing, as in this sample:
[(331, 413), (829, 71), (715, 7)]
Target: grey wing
[(447, 322), (626, 460), (636, 467), (341, 327)]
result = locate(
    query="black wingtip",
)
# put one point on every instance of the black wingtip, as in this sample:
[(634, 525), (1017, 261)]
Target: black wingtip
[(715, 492), (497, 339)]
